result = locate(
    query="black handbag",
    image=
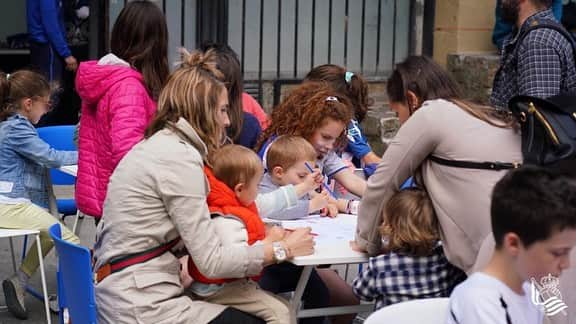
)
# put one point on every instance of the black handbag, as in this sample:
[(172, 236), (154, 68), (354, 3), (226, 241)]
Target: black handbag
[(548, 128)]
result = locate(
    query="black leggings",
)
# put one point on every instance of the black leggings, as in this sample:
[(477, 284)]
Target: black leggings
[(283, 277), (233, 316)]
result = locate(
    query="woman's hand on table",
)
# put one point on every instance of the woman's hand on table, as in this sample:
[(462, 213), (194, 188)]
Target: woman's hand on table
[(299, 242), (273, 234), (355, 247)]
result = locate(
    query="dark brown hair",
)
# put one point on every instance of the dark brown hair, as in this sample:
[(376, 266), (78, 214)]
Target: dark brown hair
[(428, 80), (228, 63), (356, 90), (410, 224), (192, 93), (305, 110), (20, 85), (140, 37)]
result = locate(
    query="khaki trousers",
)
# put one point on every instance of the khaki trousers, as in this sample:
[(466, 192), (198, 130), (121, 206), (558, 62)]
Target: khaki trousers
[(31, 217), (247, 296)]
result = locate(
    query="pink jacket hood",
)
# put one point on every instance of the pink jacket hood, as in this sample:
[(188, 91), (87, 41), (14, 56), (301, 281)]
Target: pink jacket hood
[(94, 80), (116, 110)]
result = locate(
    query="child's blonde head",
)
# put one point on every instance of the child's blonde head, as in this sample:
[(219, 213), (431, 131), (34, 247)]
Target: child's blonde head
[(288, 150), (235, 164), (410, 224)]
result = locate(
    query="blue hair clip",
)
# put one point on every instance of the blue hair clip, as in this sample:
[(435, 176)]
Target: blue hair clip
[(348, 77)]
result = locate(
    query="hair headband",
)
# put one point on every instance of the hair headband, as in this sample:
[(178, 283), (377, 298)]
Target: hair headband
[(348, 77)]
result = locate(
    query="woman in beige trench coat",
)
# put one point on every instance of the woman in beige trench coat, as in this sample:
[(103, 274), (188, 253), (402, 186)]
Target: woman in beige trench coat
[(157, 194)]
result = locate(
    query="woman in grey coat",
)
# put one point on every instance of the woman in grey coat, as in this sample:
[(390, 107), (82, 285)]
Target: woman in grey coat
[(437, 123)]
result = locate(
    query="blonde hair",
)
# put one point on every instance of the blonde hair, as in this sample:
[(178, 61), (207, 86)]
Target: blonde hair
[(192, 92), (410, 224), (234, 164), (287, 150)]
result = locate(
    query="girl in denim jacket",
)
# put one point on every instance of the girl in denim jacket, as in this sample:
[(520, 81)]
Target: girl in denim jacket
[(24, 157)]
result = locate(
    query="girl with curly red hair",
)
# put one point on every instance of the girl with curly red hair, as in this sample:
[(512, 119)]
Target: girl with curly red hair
[(320, 115)]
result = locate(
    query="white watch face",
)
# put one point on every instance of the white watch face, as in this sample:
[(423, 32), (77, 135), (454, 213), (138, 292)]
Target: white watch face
[(279, 252)]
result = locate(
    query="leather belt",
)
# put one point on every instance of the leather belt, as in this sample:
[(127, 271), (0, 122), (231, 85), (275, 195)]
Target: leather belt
[(123, 262)]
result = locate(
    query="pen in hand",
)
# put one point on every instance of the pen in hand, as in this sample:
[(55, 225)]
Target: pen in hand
[(323, 183)]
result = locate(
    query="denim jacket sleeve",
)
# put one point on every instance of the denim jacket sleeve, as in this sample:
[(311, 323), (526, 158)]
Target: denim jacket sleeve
[(26, 142)]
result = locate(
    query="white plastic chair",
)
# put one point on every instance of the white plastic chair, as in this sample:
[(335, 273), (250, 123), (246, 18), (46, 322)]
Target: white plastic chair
[(418, 311)]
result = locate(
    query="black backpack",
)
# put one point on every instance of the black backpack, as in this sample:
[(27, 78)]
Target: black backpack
[(548, 128)]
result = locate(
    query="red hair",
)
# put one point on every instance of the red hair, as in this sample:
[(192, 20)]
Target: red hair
[(305, 110)]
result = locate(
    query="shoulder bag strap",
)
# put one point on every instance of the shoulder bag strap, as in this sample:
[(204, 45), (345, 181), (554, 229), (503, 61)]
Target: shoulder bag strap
[(496, 166)]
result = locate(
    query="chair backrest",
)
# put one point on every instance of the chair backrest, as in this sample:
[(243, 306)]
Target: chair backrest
[(60, 138), (75, 274), (429, 311)]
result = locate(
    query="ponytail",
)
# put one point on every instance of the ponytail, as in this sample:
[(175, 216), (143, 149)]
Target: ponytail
[(20, 85), (4, 96), (347, 84), (358, 94)]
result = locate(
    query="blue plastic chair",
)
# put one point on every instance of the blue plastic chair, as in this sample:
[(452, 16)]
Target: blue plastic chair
[(61, 138), (75, 280)]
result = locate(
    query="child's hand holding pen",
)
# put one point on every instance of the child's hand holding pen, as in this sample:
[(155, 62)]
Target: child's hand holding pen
[(312, 181), (323, 183)]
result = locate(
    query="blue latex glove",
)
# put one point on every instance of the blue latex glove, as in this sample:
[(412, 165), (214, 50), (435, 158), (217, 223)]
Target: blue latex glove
[(409, 183), (357, 144), (369, 169)]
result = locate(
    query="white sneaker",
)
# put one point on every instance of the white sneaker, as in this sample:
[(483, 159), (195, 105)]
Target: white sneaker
[(53, 304)]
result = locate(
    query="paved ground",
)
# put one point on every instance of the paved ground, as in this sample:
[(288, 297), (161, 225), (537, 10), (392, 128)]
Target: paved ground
[(35, 306)]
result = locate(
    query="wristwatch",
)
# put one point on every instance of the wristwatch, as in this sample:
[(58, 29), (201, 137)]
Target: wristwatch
[(279, 252)]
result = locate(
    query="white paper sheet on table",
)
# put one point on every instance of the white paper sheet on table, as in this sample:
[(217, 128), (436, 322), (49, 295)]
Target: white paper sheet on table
[(340, 228)]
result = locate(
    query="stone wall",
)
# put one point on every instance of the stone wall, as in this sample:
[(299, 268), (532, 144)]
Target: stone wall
[(463, 26), (474, 73)]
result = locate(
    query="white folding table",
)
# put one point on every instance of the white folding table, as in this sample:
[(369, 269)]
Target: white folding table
[(332, 247), (69, 169)]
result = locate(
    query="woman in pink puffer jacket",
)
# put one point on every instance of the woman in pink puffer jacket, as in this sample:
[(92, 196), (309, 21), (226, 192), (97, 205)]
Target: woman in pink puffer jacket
[(118, 98)]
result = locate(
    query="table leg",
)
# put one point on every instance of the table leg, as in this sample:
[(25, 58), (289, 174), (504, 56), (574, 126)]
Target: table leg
[(43, 276), (13, 256), (297, 299)]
